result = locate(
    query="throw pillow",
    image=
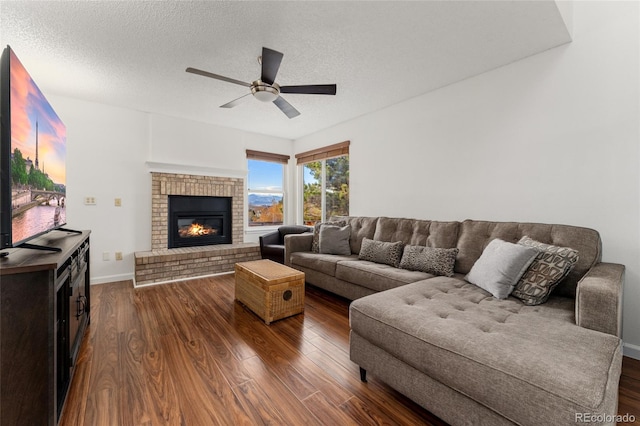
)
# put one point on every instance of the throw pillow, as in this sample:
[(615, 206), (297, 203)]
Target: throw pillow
[(381, 252), (436, 261), (500, 267), (548, 269), (315, 243), (335, 239)]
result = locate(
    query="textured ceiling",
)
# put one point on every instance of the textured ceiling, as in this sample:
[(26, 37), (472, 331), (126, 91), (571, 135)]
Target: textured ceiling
[(134, 54)]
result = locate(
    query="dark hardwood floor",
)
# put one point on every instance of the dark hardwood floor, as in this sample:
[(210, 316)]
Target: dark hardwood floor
[(187, 354), (629, 390)]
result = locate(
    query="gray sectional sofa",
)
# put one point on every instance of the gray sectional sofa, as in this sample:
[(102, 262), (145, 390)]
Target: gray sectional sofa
[(464, 355)]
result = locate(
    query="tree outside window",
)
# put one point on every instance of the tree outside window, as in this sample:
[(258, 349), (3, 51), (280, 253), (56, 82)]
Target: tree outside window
[(325, 189)]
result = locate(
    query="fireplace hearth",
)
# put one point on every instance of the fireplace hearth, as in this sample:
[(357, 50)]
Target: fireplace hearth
[(199, 221)]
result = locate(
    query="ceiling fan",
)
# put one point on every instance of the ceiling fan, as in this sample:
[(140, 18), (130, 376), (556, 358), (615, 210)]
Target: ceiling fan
[(265, 89)]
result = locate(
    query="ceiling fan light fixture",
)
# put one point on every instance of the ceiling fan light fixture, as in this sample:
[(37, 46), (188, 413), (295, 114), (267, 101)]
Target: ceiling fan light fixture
[(265, 92), (265, 88)]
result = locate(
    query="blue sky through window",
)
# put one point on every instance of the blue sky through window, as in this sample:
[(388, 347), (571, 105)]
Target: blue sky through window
[(308, 176), (265, 176)]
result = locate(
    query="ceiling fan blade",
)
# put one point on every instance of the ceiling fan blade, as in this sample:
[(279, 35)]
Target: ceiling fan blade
[(235, 102), (286, 107), (310, 89), (217, 77), (270, 65)]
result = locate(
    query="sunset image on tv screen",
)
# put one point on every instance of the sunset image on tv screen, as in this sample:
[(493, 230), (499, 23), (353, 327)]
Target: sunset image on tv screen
[(38, 148)]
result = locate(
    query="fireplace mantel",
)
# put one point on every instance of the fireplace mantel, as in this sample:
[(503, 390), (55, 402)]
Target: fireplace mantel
[(171, 168)]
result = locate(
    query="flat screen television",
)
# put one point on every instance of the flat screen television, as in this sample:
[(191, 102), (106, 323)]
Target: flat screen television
[(32, 158)]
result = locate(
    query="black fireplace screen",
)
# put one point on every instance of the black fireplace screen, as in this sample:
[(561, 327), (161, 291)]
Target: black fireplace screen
[(199, 220)]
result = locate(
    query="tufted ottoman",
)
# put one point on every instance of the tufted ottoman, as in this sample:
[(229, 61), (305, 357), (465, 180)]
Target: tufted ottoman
[(474, 359)]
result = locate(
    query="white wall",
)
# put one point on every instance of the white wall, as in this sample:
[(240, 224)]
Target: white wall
[(108, 149), (552, 138), (106, 153)]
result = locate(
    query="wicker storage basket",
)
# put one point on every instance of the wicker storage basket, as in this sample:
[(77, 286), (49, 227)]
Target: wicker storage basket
[(271, 290)]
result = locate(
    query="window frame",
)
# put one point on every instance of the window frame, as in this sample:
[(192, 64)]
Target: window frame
[(322, 155), (268, 157)]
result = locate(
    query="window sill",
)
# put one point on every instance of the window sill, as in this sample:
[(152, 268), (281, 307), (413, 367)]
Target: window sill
[(261, 229)]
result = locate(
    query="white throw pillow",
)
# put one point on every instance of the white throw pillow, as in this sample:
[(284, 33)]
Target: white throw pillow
[(500, 267)]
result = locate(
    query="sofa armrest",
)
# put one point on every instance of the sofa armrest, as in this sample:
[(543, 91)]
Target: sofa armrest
[(294, 243), (269, 239), (599, 298)]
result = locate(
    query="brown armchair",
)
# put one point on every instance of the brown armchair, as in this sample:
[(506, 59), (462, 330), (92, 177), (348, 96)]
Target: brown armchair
[(272, 244)]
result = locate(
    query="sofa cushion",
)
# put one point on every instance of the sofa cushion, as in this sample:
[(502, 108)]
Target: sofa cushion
[(500, 267), (376, 276), (335, 239), (381, 252), (315, 244), (512, 358), (474, 236), (325, 263), (417, 232), (548, 269), (361, 227), (436, 261)]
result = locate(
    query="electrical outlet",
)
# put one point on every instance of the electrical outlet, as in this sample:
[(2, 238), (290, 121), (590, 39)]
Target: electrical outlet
[(118, 255), (105, 256), (118, 202), (90, 201)]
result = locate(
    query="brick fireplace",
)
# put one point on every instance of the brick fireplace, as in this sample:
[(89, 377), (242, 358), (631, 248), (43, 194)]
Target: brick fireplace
[(162, 264), (165, 184)]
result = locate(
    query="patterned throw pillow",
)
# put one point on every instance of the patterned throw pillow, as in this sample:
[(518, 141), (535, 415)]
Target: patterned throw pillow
[(381, 252), (436, 261), (315, 244), (548, 269)]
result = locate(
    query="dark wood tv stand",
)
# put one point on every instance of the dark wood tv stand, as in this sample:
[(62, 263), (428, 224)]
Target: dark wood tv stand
[(44, 312)]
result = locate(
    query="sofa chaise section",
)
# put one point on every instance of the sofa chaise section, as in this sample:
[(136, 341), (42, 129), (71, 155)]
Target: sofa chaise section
[(529, 364)]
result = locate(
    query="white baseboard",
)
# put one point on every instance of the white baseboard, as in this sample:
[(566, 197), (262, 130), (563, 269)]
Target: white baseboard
[(632, 351), (111, 278), (136, 285)]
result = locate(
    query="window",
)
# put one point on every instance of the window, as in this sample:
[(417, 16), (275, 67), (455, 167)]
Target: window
[(265, 192), (312, 193), (325, 183)]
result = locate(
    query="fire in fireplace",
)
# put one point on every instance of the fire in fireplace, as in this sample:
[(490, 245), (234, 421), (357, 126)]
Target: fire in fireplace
[(199, 220), (195, 228)]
